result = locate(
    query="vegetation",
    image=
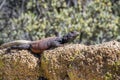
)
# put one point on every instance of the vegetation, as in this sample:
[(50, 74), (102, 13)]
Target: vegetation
[(96, 20)]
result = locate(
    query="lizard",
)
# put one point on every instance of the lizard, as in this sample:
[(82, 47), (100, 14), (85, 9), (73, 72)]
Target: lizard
[(39, 46)]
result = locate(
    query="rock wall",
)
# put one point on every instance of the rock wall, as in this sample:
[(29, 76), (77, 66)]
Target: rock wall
[(71, 62)]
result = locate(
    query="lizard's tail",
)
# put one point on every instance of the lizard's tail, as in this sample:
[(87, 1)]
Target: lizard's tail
[(14, 43)]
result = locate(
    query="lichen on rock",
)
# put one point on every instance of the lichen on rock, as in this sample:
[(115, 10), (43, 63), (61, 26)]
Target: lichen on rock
[(71, 62), (80, 62), (18, 65)]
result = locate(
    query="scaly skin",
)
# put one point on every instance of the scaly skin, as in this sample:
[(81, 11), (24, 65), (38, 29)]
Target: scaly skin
[(43, 44)]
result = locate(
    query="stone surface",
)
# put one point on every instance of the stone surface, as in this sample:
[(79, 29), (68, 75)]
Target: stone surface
[(18, 65), (80, 62), (71, 62)]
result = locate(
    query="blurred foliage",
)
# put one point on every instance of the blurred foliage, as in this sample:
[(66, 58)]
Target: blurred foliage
[(97, 20)]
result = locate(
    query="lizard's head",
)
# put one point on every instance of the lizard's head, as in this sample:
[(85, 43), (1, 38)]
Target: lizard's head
[(70, 36)]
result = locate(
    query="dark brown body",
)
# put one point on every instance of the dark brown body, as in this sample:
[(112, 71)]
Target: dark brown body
[(44, 44), (41, 45)]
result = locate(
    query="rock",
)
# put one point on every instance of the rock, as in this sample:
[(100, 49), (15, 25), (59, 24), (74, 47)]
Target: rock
[(80, 62), (71, 62), (18, 65)]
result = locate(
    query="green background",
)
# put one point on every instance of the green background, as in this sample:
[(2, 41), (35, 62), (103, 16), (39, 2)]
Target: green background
[(97, 21)]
